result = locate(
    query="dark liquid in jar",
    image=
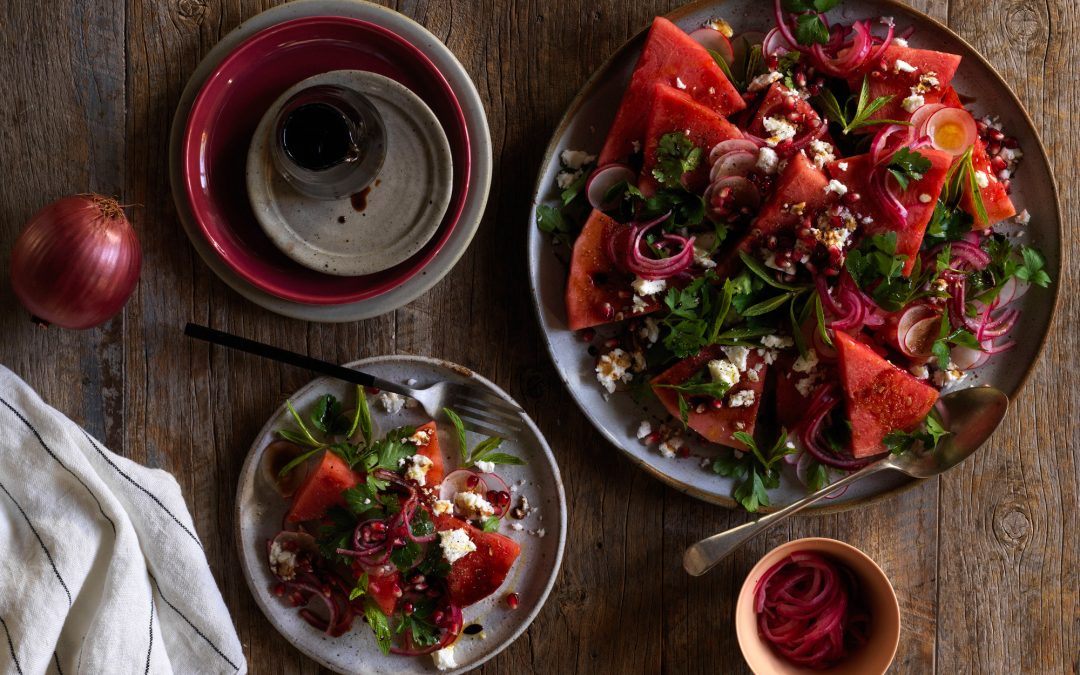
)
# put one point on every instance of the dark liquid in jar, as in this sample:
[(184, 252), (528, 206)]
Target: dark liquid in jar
[(316, 136)]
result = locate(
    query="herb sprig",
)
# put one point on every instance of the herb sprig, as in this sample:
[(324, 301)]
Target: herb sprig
[(927, 436), (484, 451), (755, 472), (849, 120)]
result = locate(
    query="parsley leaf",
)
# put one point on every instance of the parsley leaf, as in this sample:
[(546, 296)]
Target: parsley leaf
[(675, 155), (755, 472), (907, 165), (490, 524), (574, 189), (360, 588), (1032, 270), (550, 220), (926, 436), (875, 258), (946, 224), (810, 29)]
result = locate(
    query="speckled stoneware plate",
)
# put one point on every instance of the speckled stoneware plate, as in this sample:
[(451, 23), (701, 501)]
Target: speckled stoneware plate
[(584, 128), (260, 512), (479, 148), (394, 217)]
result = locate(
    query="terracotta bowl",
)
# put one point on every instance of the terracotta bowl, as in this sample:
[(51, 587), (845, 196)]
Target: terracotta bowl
[(873, 658)]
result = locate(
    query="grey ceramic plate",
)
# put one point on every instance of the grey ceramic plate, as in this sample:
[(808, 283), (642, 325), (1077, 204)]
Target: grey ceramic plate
[(334, 236), (584, 128), (260, 512), (475, 122)]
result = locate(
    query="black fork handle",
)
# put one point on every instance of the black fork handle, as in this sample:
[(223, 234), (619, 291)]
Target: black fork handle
[(238, 343)]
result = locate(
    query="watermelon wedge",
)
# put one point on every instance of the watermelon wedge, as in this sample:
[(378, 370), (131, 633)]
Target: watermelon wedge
[(669, 57), (322, 489), (715, 425), (674, 111), (895, 81), (791, 405), (477, 575), (431, 451), (880, 397), (995, 198), (597, 292), (919, 199)]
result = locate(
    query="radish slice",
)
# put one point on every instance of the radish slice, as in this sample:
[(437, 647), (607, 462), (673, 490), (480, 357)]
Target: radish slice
[(714, 40), (967, 358), (735, 163), (919, 340), (731, 194), (911, 316), (923, 113), (742, 43), (724, 147), (457, 481), (774, 43), (602, 180), (1011, 291), (951, 130)]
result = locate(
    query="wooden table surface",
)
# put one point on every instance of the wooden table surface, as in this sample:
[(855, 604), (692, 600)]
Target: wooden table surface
[(985, 561)]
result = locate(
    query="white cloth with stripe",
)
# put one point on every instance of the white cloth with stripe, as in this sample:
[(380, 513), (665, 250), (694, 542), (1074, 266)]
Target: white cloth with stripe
[(101, 570)]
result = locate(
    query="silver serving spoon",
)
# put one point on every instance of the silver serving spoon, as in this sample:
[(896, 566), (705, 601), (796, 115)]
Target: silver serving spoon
[(970, 415)]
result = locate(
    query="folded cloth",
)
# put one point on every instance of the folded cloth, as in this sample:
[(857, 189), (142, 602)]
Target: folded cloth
[(101, 570)]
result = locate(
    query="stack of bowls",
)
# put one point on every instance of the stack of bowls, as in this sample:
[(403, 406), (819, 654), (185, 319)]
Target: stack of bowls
[(237, 84)]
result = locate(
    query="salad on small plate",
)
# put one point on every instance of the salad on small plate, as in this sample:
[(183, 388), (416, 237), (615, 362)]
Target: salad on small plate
[(355, 508), (791, 239)]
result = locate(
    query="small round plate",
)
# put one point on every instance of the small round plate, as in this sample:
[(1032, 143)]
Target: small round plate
[(384, 224), (585, 126), (236, 92), (260, 512)]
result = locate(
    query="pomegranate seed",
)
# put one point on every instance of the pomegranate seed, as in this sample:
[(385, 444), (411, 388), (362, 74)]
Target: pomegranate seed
[(407, 609), (998, 163), (772, 62), (438, 616), (1007, 184), (279, 590), (770, 243), (420, 588), (611, 343), (373, 391), (980, 126), (794, 116), (416, 578), (587, 335), (700, 408), (996, 135), (993, 149), (790, 104), (784, 147), (396, 591), (800, 79), (297, 599), (491, 496), (717, 404), (1011, 143), (625, 294), (684, 452), (378, 527), (606, 310), (502, 499), (851, 198), (472, 481), (652, 438), (512, 601)]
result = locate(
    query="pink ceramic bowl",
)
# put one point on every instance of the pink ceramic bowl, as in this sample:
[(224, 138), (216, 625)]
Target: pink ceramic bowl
[(229, 107), (873, 658)]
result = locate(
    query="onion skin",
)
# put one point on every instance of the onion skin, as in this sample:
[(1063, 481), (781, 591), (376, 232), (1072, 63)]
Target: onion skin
[(76, 262)]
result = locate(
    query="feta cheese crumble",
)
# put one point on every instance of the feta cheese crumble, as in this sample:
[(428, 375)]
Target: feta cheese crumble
[(777, 341), (763, 81), (1023, 218), (913, 102), (485, 466), (420, 437), (647, 287), (391, 402), (417, 470), (455, 544), (804, 364), (679, 83), (903, 67), (724, 371), (444, 658), (821, 153), (900, 42), (837, 187), (612, 368), (282, 562), (920, 372), (473, 506), (842, 166), (743, 399), (575, 159), (670, 447), (779, 130), (737, 355), (767, 160), (442, 506), (702, 258), (644, 429), (982, 179)]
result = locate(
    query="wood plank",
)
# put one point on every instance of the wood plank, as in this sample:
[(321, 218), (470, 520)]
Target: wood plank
[(1009, 553)]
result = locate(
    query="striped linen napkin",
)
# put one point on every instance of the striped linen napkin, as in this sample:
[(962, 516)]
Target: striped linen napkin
[(101, 570)]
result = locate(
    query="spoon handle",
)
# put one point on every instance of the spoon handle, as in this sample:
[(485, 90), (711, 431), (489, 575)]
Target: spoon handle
[(704, 555)]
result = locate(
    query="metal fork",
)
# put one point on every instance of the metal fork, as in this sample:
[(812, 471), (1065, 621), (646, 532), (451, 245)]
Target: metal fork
[(481, 410)]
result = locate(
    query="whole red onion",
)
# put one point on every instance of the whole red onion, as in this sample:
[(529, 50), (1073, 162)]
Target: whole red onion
[(76, 262)]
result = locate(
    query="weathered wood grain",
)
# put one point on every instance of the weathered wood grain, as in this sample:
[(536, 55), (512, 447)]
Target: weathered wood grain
[(985, 562)]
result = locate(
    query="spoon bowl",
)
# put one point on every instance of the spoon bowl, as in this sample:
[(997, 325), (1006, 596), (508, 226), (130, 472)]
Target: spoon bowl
[(970, 416)]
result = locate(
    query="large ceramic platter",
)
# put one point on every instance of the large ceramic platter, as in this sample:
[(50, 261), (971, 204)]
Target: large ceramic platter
[(475, 122), (260, 512), (584, 128)]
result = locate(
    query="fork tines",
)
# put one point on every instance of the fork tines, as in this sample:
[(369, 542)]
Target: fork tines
[(486, 413)]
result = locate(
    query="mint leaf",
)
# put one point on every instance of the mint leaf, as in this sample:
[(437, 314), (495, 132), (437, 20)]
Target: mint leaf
[(459, 427), (379, 623), (550, 220)]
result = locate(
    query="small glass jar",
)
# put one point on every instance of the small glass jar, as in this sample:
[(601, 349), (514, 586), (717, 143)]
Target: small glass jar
[(329, 142)]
